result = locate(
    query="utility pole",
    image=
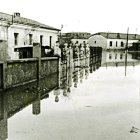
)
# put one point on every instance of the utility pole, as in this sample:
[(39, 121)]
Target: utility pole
[(126, 51), (60, 34)]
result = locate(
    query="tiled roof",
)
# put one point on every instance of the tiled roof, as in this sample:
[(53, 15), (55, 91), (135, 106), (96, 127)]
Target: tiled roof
[(78, 35), (24, 21), (118, 35)]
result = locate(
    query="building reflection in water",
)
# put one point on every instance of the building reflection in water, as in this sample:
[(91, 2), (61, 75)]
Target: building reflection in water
[(16, 99), (118, 58), (3, 118), (75, 72), (56, 92), (95, 58)]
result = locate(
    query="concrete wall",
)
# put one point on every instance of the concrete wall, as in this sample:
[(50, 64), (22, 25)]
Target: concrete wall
[(27, 70)]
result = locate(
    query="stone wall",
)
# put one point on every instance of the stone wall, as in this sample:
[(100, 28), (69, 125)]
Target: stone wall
[(1, 75), (1, 110), (3, 50), (22, 71), (48, 66)]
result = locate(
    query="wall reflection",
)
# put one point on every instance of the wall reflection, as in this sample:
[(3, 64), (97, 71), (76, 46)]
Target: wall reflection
[(16, 99), (119, 58), (72, 73)]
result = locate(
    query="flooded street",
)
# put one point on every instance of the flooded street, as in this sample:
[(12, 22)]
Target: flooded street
[(100, 102)]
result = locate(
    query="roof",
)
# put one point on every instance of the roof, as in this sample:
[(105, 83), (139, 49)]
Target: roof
[(118, 35), (25, 21), (76, 35)]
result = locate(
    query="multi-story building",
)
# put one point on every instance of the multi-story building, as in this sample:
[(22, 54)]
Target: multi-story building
[(112, 40), (75, 37), (20, 34)]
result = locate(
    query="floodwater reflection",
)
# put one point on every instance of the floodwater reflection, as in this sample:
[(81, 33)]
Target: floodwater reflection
[(91, 99)]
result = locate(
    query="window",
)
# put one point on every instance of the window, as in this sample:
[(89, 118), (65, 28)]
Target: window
[(122, 44), (95, 42), (115, 56), (41, 40), (110, 56), (16, 38), (116, 43), (50, 41), (121, 56), (30, 39), (110, 43)]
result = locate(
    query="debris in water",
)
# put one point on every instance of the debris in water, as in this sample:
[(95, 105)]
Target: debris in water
[(134, 130)]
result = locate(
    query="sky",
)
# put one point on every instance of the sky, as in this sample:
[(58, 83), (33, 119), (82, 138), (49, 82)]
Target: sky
[(80, 15)]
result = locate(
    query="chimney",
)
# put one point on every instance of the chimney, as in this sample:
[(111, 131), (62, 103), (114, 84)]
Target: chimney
[(16, 14)]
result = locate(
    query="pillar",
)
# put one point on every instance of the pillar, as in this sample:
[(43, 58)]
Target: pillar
[(3, 58), (37, 54)]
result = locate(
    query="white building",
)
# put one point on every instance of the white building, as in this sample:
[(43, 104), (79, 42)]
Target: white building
[(21, 32), (112, 40)]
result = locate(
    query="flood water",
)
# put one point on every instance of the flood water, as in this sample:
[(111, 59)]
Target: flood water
[(90, 101)]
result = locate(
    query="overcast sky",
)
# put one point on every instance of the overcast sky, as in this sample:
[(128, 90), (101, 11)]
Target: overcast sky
[(80, 15)]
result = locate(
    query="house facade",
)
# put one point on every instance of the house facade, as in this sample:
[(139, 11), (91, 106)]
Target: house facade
[(112, 40), (20, 34), (75, 37)]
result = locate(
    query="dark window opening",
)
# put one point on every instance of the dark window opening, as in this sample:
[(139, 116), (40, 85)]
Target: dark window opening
[(16, 38), (30, 39), (121, 56), (110, 56), (41, 40), (50, 41), (110, 43), (122, 44), (25, 53)]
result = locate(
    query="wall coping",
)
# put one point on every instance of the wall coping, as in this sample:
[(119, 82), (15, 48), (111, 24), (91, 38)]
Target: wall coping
[(49, 58), (1, 62), (30, 60), (22, 60)]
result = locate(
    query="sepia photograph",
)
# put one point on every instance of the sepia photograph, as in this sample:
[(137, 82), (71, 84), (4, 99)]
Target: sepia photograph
[(69, 70)]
